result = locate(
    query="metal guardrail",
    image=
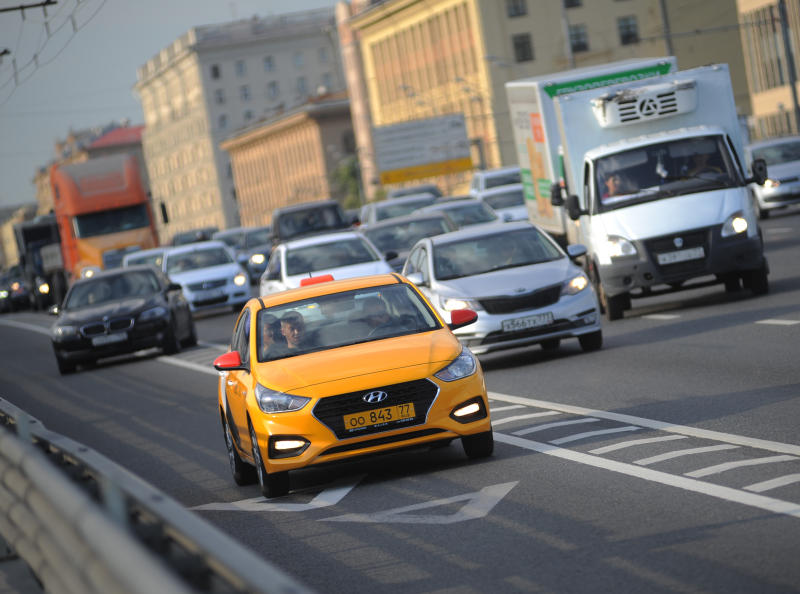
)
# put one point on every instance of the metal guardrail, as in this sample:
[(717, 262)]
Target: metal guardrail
[(84, 524)]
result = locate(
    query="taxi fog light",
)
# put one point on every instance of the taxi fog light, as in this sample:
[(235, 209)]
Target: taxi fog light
[(240, 279), (463, 366), (734, 225), (469, 411), (271, 401), (575, 285), (286, 446)]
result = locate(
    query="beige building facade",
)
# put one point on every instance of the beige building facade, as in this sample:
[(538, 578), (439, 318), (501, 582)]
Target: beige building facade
[(767, 66), (9, 254), (423, 58), (289, 159), (213, 81)]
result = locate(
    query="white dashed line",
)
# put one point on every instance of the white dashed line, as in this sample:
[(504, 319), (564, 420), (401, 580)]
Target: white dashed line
[(661, 316), (778, 322), (717, 468), (523, 417), (634, 442), (588, 434), (774, 483), (686, 452), (509, 407), (546, 426)]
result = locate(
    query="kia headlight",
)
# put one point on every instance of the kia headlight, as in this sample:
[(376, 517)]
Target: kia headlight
[(257, 259), (60, 332), (271, 401), (453, 303), (153, 313), (240, 279), (734, 225), (771, 183), (619, 247), (464, 365), (575, 285)]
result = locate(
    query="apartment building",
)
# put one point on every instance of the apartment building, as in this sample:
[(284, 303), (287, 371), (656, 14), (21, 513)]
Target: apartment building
[(423, 58), (213, 81)]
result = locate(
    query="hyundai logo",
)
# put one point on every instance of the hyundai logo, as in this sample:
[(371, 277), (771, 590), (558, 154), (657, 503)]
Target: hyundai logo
[(375, 397), (678, 241)]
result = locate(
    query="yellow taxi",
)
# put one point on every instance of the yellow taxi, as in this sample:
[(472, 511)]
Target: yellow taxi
[(338, 369)]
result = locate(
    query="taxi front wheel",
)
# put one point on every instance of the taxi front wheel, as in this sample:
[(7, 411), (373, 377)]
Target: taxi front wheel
[(243, 473), (480, 445), (273, 484)]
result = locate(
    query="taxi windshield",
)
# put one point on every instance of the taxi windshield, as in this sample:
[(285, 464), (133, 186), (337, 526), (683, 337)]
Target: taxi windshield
[(341, 319)]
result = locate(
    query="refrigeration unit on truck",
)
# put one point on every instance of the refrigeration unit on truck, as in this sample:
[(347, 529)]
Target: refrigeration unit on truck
[(654, 185)]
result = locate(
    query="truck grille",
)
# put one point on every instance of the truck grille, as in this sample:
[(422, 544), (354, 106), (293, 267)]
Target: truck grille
[(511, 304), (331, 410), (667, 243)]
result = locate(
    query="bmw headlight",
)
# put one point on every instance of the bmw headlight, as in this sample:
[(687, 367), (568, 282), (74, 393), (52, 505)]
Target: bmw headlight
[(734, 224), (453, 303), (619, 247), (153, 313), (575, 285), (463, 366), (61, 332), (271, 401), (258, 259), (240, 279)]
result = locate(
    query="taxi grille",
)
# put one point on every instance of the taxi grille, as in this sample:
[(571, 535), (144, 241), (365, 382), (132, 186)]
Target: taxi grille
[(510, 304), (331, 410)]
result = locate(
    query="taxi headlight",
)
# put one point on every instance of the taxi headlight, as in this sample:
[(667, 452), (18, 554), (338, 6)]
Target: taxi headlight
[(152, 313), (463, 366), (64, 331), (734, 225), (240, 279), (271, 401), (575, 285), (619, 247), (257, 259)]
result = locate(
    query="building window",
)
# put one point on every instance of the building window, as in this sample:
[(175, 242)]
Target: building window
[(244, 93), (572, 3), (628, 30), (272, 89), (578, 38), (241, 70), (219, 96), (298, 59), (523, 47), (216, 72), (327, 81), (269, 64), (322, 55), (516, 8), (222, 121), (248, 115), (302, 86)]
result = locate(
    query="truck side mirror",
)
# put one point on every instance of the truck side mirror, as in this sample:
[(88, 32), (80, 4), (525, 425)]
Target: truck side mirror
[(556, 195), (759, 168), (574, 208)]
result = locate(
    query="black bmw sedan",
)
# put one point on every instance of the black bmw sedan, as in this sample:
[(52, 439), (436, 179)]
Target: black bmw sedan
[(120, 311)]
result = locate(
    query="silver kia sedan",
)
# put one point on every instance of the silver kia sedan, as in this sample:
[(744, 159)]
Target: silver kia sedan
[(525, 288)]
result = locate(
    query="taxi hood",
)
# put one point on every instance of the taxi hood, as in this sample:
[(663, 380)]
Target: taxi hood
[(361, 366)]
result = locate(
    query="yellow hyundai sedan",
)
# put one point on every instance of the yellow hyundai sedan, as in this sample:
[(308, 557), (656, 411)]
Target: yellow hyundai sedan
[(338, 369)]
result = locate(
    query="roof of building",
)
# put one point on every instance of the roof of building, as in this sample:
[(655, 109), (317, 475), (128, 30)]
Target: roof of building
[(119, 136)]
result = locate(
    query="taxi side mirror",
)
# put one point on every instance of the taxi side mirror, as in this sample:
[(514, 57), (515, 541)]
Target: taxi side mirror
[(231, 361)]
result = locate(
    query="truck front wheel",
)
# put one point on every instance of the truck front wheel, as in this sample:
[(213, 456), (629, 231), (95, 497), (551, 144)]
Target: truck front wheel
[(757, 281)]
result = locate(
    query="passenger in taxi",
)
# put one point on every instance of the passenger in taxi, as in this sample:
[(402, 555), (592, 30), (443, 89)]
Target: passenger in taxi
[(293, 329), (273, 343)]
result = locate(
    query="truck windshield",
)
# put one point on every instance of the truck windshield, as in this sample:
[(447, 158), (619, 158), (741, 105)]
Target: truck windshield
[(111, 221), (663, 170)]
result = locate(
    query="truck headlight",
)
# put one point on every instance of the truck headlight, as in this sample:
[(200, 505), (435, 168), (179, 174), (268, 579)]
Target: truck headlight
[(271, 401), (575, 285), (619, 247), (734, 225), (240, 279), (462, 366)]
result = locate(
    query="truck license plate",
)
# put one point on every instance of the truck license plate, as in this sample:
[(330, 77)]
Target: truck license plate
[(534, 321), (110, 338), (681, 255)]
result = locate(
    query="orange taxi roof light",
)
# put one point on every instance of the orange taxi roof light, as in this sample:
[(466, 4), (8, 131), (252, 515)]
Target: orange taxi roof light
[(313, 280)]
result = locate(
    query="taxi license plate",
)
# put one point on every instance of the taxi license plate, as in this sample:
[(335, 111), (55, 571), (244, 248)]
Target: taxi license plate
[(694, 253), (379, 416), (110, 338), (542, 319)]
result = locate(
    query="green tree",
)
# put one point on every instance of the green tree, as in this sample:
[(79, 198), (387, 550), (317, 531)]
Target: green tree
[(346, 182)]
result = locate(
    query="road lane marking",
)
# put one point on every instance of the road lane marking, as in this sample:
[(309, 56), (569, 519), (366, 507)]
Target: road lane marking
[(661, 316), (634, 442), (477, 505), (770, 504), (774, 483), (546, 426), (172, 360), (523, 417), (717, 468), (763, 444), (588, 434), (502, 408), (26, 326), (685, 452), (778, 322)]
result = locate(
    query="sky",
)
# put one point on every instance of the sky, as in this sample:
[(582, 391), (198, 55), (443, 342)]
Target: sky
[(76, 69)]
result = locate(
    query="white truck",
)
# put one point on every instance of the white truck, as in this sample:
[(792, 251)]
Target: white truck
[(647, 175)]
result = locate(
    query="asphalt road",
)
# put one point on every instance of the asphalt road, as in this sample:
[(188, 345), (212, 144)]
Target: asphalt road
[(669, 461)]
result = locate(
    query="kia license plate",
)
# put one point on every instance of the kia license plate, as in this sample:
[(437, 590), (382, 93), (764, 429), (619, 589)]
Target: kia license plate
[(533, 321)]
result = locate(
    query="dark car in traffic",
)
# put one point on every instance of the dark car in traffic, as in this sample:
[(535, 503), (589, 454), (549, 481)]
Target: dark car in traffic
[(397, 236), (120, 311)]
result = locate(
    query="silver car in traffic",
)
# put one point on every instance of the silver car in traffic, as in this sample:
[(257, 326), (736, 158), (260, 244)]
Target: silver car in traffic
[(782, 187), (525, 288)]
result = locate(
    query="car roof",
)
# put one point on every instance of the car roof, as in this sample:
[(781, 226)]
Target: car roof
[(114, 272), (321, 238), (480, 230), (197, 245), (501, 189), (449, 205), (415, 216), (405, 198), (148, 251), (304, 206), (328, 287)]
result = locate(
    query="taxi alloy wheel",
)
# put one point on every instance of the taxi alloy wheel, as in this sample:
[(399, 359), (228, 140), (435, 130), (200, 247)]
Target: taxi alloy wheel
[(243, 473), (272, 484), (480, 445)]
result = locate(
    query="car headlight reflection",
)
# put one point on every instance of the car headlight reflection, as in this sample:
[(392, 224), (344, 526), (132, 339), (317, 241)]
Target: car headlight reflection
[(153, 313), (240, 279), (575, 285), (734, 225), (271, 401), (463, 366)]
